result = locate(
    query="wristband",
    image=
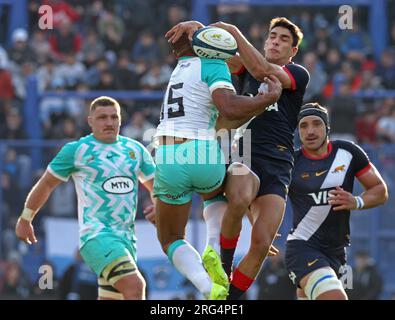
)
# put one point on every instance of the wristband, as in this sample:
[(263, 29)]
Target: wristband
[(360, 202), (28, 214)]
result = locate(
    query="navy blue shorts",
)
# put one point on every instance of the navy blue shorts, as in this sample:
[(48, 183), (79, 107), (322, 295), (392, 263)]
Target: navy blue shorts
[(274, 175), (301, 258)]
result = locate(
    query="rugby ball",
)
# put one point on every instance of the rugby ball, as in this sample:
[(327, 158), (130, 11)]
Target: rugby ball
[(214, 43)]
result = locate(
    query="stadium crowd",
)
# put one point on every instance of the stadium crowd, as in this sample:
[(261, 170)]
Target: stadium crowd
[(97, 46)]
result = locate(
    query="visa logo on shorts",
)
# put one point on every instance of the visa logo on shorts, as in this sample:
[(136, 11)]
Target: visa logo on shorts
[(118, 185), (320, 197)]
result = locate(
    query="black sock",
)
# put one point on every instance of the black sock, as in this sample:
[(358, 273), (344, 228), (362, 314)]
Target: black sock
[(235, 293), (227, 259)]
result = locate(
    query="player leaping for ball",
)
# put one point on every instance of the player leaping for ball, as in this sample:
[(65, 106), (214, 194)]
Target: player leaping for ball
[(265, 186), (189, 158)]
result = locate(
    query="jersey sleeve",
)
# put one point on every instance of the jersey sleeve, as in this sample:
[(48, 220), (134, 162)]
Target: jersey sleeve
[(216, 74), (62, 166), (299, 76), (361, 160), (147, 166)]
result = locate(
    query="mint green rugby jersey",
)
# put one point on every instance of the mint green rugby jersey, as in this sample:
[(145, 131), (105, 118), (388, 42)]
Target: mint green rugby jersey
[(106, 180), (188, 109)]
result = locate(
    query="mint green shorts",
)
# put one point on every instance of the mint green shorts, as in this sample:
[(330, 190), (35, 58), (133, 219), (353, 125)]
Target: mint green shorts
[(181, 169), (104, 249)]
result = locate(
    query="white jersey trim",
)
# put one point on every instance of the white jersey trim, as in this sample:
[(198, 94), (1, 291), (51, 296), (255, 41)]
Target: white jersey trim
[(221, 85), (51, 171)]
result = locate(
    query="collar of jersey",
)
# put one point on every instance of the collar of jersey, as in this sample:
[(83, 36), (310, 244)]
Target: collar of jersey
[(186, 57), (325, 155), (101, 142)]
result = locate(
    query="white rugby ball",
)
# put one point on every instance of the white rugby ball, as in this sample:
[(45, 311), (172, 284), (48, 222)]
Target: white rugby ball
[(214, 43)]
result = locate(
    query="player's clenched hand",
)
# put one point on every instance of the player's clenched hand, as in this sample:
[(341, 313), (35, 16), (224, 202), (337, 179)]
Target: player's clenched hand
[(341, 200), (188, 27), (274, 88), (150, 213), (24, 230)]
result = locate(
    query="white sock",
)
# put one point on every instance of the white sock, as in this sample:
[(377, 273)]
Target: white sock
[(213, 214), (188, 262)]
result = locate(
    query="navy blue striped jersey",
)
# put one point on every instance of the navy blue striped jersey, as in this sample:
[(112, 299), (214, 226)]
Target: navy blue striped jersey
[(313, 218), (272, 131)]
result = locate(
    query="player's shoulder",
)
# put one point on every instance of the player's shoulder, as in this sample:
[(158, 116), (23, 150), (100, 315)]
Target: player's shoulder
[(295, 67), (132, 143), (72, 146), (347, 145)]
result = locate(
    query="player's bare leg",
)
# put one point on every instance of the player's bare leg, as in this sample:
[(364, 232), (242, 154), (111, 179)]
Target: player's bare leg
[(241, 188), (268, 212), (171, 223)]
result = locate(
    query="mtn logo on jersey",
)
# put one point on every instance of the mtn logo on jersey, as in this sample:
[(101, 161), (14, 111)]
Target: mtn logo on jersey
[(339, 168), (320, 198), (118, 185)]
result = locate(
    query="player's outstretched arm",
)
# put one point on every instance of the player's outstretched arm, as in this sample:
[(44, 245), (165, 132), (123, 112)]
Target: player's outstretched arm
[(375, 193), (188, 27), (234, 107), (37, 197), (252, 59)]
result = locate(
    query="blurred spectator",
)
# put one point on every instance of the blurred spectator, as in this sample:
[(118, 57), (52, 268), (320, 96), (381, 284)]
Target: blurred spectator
[(274, 282), (71, 71), (256, 35), (156, 78), (145, 48), (92, 48), (111, 29), (94, 72), (7, 89), (367, 282), (46, 73), (16, 284), (386, 128), (106, 81), (40, 46), (322, 42), (64, 40), (343, 112), (78, 282), (20, 74), (13, 128), (136, 126), (126, 77), (355, 43), (332, 62), (20, 51), (53, 109), (366, 127), (386, 69), (317, 77), (174, 15), (67, 131)]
